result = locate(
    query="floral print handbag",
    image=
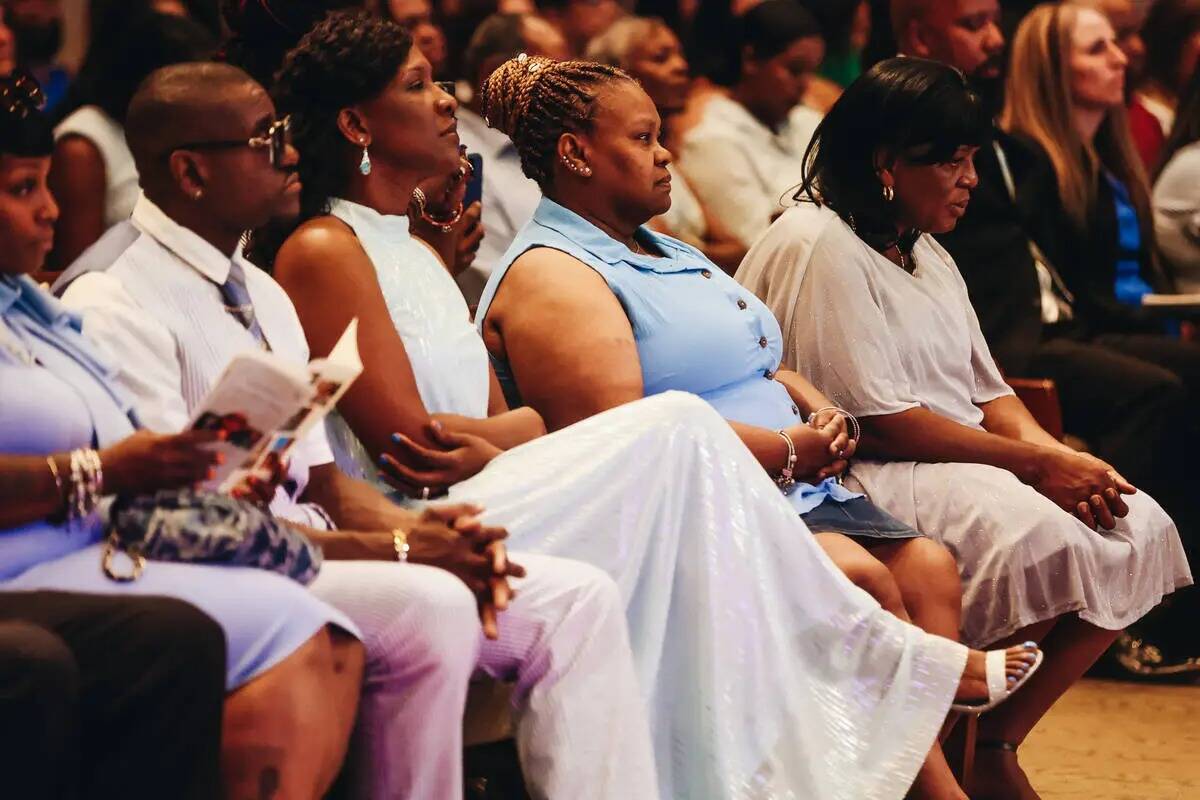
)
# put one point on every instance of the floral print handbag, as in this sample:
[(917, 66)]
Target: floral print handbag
[(195, 527)]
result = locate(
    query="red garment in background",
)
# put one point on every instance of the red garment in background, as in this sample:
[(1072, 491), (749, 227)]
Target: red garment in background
[(1147, 132)]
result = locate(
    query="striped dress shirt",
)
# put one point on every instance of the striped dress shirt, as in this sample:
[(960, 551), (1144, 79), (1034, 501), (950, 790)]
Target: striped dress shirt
[(158, 313)]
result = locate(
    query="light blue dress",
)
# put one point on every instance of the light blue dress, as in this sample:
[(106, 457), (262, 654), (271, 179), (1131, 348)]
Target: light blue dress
[(66, 400), (696, 331)]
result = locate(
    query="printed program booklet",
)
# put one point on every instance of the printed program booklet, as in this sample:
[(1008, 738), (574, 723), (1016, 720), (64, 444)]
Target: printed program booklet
[(266, 404)]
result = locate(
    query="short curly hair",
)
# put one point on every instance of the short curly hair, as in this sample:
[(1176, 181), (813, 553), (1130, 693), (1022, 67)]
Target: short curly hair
[(535, 100), (347, 58)]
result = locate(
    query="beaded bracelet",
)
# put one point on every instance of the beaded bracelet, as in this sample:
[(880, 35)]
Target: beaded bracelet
[(87, 483), (400, 544)]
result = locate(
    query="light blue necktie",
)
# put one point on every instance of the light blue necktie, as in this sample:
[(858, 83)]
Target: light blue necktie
[(238, 302)]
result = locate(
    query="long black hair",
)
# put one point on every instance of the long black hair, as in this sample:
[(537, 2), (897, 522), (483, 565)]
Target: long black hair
[(347, 58), (910, 108)]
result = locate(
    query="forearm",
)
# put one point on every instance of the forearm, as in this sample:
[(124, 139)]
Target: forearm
[(342, 545), (921, 435), (353, 504), (808, 398), (506, 430), (28, 492), (768, 447), (1008, 417)]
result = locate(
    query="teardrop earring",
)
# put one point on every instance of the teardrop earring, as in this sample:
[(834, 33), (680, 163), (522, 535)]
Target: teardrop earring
[(364, 166), (889, 194)]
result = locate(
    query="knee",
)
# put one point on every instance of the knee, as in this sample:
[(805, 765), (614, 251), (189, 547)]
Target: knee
[(437, 625), (36, 665), (934, 571), (596, 595), (187, 639), (1166, 394), (873, 577)]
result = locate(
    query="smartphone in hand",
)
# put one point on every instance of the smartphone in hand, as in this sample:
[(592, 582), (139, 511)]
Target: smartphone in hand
[(475, 187)]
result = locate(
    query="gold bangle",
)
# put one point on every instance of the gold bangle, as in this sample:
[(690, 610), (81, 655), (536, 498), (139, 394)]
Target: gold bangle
[(400, 543), (57, 478)]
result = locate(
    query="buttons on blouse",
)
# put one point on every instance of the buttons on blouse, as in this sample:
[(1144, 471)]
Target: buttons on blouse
[(706, 273), (795, 410), (762, 341), (741, 304)]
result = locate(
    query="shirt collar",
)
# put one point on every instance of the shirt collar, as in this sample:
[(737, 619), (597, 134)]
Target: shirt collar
[(184, 243), (22, 293), (677, 256)]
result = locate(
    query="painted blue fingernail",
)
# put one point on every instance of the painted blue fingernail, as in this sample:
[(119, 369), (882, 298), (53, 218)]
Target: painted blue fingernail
[(382, 460), (396, 438), (1011, 680), (1031, 645)]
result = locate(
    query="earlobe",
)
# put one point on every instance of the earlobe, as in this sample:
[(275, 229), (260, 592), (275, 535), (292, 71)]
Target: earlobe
[(573, 155), (354, 127), (189, 174)]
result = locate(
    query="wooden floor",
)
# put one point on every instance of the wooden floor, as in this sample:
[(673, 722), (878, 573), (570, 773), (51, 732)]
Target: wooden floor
[(1118, 741)]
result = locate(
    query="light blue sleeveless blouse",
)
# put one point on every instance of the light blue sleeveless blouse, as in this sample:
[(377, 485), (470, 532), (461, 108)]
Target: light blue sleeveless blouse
[(696, 329)]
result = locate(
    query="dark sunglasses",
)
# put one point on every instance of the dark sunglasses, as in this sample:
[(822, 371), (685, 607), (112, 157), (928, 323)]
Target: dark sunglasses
[(276, 141), (20, 95)]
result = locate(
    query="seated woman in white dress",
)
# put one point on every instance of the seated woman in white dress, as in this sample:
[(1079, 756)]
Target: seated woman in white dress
[(1053, 545), (760, 663)]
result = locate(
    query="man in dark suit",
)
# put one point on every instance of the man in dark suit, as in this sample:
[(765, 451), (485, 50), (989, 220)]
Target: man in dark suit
[(1129, 411)]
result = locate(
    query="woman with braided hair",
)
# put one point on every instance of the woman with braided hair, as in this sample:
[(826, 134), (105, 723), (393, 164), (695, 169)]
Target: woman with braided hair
[(663, 317), (766, 672)]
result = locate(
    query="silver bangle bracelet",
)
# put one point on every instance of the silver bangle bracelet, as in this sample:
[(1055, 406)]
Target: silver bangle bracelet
[(786, 480), (87, 484), (851, 420)]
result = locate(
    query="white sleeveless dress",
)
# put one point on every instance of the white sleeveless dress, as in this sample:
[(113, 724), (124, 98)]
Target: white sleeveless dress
[(767, 674), (120, 173)]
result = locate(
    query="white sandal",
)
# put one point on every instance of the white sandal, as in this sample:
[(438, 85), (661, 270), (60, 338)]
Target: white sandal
[(999, 689)]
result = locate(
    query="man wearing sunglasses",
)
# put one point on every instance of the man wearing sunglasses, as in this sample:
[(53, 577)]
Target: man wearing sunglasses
[(176, 307)]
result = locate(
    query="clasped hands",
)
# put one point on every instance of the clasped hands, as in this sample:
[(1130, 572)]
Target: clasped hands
[(453, 538), (1083, 485), (823, 446)]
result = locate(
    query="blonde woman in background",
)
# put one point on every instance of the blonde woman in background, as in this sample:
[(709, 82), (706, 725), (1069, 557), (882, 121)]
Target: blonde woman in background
[(1088, 207)]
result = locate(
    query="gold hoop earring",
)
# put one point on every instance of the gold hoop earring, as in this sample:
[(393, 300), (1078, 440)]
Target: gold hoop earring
[(889, 194)]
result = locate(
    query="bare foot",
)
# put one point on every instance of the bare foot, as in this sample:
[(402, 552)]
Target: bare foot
[(998, 776), (973, 686)]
